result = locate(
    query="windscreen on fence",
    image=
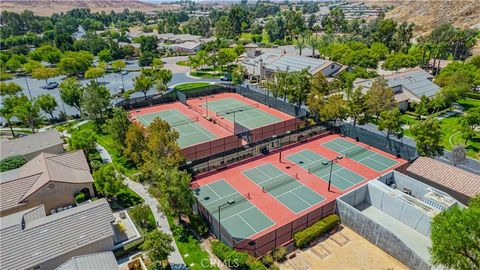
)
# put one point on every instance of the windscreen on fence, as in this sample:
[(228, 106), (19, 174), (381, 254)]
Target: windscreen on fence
[(271, 101), (182, 97), (240, 130), (393, 146)]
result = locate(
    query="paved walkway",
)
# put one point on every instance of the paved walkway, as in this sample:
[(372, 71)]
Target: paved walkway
[(175, 258)]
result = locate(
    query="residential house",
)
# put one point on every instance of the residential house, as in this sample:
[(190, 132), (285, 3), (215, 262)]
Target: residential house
[(51, 180), (95, 261), (30, 146), (408, 86), (33, 240), (460, 184), (188, 47)]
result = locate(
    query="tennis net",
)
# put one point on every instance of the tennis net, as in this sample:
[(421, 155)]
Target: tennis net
[(280, 181), (317, 167), (238, 109), (356, 152), (196, 109), (184, 122)]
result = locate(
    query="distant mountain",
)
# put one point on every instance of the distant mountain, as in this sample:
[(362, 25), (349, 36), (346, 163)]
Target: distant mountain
[(48, 7)]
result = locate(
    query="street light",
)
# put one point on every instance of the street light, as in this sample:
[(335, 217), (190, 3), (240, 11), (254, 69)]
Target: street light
[(331, 168), (229, 202)]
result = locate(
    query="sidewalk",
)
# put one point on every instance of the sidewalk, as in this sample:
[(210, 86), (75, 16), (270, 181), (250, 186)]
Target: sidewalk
[(175, 258)]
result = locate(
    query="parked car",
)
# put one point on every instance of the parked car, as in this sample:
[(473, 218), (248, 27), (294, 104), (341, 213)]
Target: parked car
[(51, 85), (226, 77), (124, 72)]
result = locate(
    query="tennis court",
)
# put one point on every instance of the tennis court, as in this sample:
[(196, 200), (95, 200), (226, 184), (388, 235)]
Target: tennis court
[(249, 116), (190, 132), (342, 178), (238, 215), (283, 187), (361, 154)]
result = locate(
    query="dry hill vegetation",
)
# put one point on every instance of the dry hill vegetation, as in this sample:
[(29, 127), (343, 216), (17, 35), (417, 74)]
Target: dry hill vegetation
[(48, 7)]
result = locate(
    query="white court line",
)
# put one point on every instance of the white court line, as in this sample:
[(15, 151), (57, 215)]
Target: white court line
[(289, 191), (309, 204), (236, 214), (247, 223)]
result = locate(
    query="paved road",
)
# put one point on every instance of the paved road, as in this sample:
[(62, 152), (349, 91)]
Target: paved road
[(175, 258), (112, 81)]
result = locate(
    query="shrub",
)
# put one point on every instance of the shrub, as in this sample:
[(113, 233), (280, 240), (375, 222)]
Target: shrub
[(268, 259), (279, 254), (234, 258), (11, 163), (306, 236), (197, 224), (80, 197), (473, 95)]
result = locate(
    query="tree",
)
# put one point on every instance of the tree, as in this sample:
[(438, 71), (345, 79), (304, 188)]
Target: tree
[(28, 112), (83, 139), (334, 109), (238, 75), (379, 98), (47, 53), (12, 163), (458, 155), (75, 62), (357, 109), (157, 245), (391, 122), (161, 148), (174, 187), (422, 107), (7, 111), (142, 83), (135, 143), (469, 124), (119, 65), (428, 136), (223, 28), (226, 55), (95, 101), (454, 234), (31, 65), (299, 86), (301, 44), (47, 103), (44, 73), (141, 213), (71, 92), (148, 43), (117, 126), (108, 181), (94, 73), (105, 56), (9, 89)]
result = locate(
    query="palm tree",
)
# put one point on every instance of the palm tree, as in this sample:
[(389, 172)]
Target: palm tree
[(301, 44)]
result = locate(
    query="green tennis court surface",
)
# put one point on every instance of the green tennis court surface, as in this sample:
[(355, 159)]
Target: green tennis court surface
[(246, 115), (286, 189), (342, 178), (361, 154), (190, 132), (240, 218)]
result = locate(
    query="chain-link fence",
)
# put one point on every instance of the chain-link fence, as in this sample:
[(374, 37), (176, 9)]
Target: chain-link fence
[(273, 102)]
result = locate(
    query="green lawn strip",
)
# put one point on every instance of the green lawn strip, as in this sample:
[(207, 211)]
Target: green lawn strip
[(187, 86), (192, 253), (207, 75), (107, 142), (183, 63)]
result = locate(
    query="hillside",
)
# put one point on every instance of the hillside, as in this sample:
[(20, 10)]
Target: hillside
[(48, 7), (426, 14)]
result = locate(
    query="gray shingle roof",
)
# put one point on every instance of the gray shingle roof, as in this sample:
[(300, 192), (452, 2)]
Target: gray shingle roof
[(95, 261), (418, 82), (295, 63), (31, 143), (17, 185), (42, 238)]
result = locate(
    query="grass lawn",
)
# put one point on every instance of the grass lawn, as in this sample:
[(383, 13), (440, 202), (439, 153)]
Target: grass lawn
[(183, 63), (248, 36), (192, 253), (206, 75), (187, 86), (451, 129), (106, 141)]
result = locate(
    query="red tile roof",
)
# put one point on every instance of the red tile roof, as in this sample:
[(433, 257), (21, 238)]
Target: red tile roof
[(446, 175)]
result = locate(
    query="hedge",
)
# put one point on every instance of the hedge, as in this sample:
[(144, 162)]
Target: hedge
[(473, 95), (306, 236), (235, 259), (12, 163), (80, 197)]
